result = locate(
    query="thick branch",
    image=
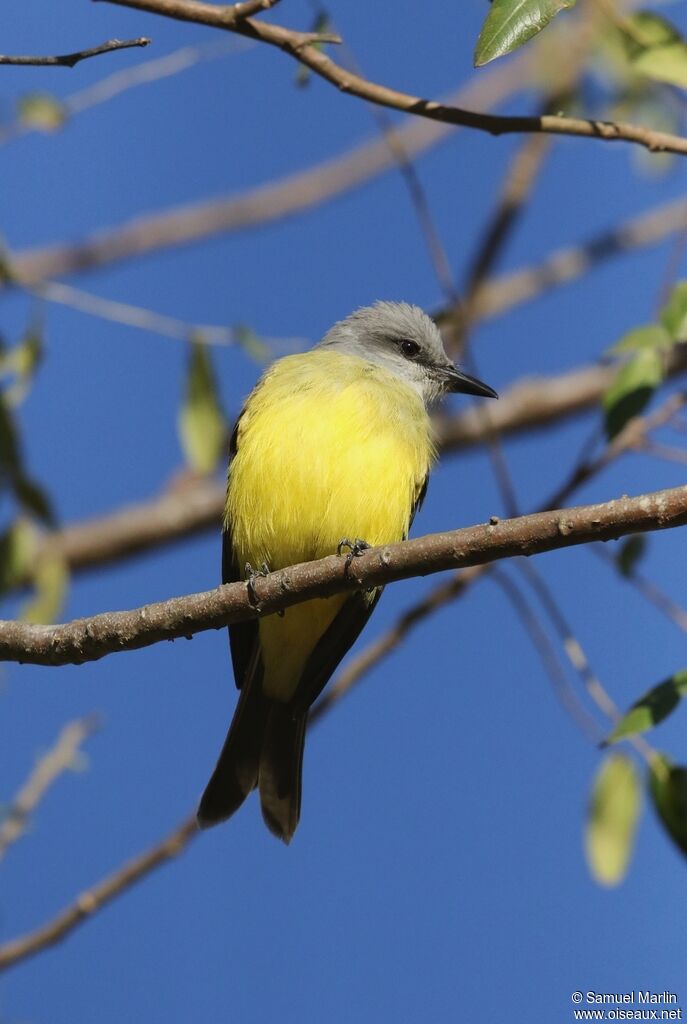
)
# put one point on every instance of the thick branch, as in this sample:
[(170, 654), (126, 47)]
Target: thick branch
[(299, 46), (69, 60), (91, 638)]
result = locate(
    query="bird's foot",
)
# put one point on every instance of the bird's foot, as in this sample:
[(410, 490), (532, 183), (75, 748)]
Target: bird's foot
[(355, 549), (251, 575)]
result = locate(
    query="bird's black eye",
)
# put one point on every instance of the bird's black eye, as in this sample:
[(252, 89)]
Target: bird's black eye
[(410, 349)]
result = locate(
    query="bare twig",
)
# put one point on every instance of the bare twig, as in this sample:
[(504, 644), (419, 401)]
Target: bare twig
[(540, 641), (285, 197), (58, 759), (145, 319), (69, 60), (648, 589), (299, 45), (91, 638), (112, 85), (94, 899), (631, 438)]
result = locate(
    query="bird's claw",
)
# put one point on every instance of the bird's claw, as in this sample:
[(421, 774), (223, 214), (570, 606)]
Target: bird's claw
[(355, 549), (251, 575)]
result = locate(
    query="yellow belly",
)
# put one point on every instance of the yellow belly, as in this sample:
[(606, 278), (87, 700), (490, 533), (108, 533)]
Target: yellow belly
[(329, 446)]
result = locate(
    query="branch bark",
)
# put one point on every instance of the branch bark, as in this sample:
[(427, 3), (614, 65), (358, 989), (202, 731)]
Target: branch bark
[(70, 60), (92, 638), (299, 46)]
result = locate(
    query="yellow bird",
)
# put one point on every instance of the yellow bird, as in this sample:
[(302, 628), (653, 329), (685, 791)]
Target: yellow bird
[(332, 444)]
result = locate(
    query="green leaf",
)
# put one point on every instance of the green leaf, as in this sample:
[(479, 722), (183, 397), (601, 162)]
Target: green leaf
[(17, 549), (649, 29), (50, 580), (631, 390), (631, 551), (510, 23), (42, 111), (612, 819), (23, 360), (202, 426), (649, 336), (668, 789), (653, 707), (674, 313), (33, 498), (665, 64)]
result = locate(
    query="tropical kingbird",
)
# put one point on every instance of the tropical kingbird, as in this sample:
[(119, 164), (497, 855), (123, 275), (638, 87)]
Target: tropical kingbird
[(332, 444)]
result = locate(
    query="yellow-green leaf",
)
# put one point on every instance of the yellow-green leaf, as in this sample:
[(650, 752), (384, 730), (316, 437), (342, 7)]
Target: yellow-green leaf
[(674, 313), (653, 707), (612, 819), (649, 336), (17, 549), (510, 23), (649, 29), (50, 580), (665, 64), (202, 425), (42, 111), (631, 390), (668, 789)]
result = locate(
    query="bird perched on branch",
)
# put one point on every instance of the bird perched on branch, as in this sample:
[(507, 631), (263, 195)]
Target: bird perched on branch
[(333, 449)]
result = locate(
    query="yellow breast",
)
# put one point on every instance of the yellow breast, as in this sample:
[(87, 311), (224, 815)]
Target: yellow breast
[(329, 446)]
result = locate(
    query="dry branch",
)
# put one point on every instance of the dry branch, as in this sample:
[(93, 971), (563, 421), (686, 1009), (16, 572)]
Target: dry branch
[(94, 899), (69, 60), (57, 760), (299, 45), (285, 197), (91, 638)]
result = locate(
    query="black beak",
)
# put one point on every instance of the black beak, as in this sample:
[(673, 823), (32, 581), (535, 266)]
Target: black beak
[(463, 384)]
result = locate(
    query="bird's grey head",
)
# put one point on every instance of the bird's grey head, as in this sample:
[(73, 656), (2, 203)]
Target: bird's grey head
[(404, 340)]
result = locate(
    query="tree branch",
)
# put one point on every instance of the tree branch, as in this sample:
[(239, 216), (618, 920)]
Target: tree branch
[(51, 765), (92, 638), (94, 899), (69, 60), (285, 197), (299, 46)]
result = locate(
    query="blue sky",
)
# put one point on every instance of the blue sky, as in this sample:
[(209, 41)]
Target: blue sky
[(437, 873)]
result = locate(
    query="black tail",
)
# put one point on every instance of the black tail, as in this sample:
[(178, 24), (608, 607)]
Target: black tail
[(236, 772), (279, 775), (264, 746)]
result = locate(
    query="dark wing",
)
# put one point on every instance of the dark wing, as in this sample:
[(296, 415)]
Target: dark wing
[(243, 636), (418, 503), (332, 646)]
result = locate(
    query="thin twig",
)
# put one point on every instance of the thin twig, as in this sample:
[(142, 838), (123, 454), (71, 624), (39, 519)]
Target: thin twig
[(69, 60), (278, 199), (299, 45), (146, 319), (114, 84), (648, 589), (547, 653), (59, 759), (92, 900)]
